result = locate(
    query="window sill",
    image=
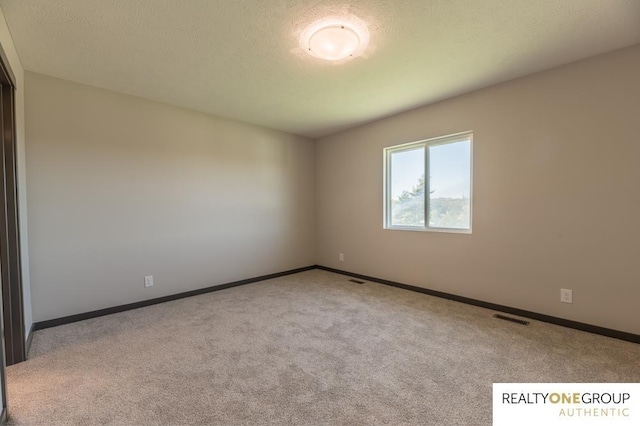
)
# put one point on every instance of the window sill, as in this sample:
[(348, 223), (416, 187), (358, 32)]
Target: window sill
[(444, 230)]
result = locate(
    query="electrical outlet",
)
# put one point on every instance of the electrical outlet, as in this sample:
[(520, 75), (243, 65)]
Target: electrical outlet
[(341, 257), (566, 296), (148, 281)]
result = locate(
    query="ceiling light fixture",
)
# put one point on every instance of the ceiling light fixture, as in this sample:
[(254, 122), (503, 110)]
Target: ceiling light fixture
[(335, 39), (333, 42)]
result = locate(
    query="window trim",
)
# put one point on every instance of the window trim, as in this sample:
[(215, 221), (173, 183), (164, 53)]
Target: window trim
[(387, 172)]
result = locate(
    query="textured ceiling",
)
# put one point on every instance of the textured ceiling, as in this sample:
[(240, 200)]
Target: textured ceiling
[(240, 58)]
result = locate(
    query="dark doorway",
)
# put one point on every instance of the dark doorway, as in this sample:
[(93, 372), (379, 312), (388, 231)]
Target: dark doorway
[(10, 263)]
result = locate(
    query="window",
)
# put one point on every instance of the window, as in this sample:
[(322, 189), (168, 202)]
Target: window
[(427, 185)]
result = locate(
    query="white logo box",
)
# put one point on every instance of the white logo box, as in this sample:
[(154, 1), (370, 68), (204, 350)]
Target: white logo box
[(566, 404)]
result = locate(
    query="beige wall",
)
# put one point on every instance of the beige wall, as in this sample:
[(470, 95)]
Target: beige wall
[(121, 187), (556, 198), (14, 62)]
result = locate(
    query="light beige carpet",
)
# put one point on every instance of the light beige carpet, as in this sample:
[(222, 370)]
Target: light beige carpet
[(311, 348)]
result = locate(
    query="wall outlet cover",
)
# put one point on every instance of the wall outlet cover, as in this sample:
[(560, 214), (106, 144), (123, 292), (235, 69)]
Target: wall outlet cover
[(566, 295)]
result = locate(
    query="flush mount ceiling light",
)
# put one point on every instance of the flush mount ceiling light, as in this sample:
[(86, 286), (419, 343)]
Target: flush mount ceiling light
[(333, 42), (335, 39)]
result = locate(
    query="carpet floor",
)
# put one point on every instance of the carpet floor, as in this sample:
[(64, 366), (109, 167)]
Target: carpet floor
[(305, 349)]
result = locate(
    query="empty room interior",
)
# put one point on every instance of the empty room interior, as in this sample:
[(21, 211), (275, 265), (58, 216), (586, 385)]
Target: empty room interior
[(305, 212)]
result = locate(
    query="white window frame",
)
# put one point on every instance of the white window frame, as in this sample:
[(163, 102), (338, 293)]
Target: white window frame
[(426, 143)]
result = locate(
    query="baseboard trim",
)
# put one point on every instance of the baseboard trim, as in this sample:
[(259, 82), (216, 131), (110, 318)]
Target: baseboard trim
[(622, 335), (40, 325), (4, 417), (29, 339), (617, 334)]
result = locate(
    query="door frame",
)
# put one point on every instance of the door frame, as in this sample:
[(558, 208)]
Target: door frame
[(10, 253)]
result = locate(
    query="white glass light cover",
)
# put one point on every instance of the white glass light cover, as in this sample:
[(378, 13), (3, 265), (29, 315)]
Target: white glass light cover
[(333, 42)]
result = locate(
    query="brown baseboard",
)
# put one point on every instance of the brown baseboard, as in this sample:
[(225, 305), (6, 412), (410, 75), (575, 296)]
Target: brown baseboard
[(616, 334), (121, 308)]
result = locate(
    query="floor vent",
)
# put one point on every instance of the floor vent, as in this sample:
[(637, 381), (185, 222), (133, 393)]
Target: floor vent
[(356, 281), (516, 320)]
